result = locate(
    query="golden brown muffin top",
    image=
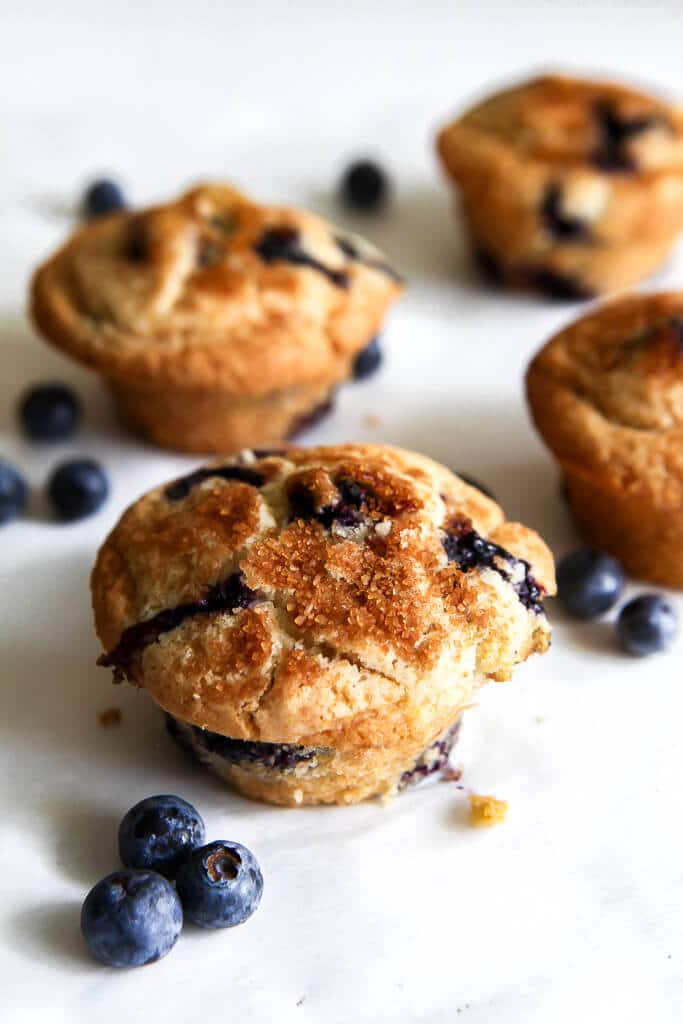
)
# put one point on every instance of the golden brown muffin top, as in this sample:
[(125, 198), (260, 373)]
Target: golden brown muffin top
[(214, 290), (280, 596), (568, 121)]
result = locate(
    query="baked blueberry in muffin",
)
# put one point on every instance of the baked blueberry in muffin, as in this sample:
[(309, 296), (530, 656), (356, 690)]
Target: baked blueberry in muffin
[(217, 322), (606, 394), (569, 187), (314, 622)]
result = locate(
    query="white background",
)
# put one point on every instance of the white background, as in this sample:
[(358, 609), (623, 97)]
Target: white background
[(569, 912)]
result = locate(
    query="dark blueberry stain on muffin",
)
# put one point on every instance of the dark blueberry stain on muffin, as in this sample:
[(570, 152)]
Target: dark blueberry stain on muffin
[(352, 252), (349, 509), (230, 595), (180, 488), (488, 265), (614, 133), (560, 225), (279, 757), (283, 245), (469, 550), (308, 420), (433, 759), (137, 242), (676, 326), (557, 286)]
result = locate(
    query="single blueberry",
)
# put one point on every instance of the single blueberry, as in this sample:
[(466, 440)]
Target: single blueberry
[(49, 412), (102, 197), (13, 493), (158, 832), (589, 582), (368, 360), (561, 225), (646, 625), (220, 885), (364, 186), (131, 918), (77, 488)]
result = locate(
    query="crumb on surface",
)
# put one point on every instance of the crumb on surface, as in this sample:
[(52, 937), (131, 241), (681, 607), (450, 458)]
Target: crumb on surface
[(372, 420), (487, 810), (110, 716), (451, 773)]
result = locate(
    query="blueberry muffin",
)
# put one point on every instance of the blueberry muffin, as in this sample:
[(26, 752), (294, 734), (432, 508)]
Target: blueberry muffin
[(218, 323), (569, 187), (606, 394), (314, 622)]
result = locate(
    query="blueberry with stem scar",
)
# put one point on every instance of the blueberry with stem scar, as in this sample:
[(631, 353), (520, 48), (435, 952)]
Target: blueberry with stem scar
[(220, 885)]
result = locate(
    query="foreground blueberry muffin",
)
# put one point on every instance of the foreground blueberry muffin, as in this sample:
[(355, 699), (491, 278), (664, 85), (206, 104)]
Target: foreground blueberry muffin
[(606, 394), (315, 621), (217, 322), (569, 187)]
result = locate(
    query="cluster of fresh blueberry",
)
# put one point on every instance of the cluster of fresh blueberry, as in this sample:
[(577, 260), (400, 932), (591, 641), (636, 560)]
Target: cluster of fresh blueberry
[(134, 916), (590, 582), (77, 487)]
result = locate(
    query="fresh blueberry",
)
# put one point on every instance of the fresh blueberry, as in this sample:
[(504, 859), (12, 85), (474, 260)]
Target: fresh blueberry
[(131, 918), (158, 832), (368, 360), (49, 412), (646, 625), (589, 582), (77, 489), (13, 493), (220, 885), (102, 197), (364, 186)]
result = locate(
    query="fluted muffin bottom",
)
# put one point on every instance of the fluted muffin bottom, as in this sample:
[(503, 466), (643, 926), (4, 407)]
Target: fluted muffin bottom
[(291, 774), (206, 422)]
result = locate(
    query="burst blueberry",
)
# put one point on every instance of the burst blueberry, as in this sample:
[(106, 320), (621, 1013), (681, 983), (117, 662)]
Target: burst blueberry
[(103, 197), (646, 625), (13, 493), (368, 360), (220, 885), (159, 832), (77, 488), (131, 918), (589, 582), (364, 186), (49, 412)]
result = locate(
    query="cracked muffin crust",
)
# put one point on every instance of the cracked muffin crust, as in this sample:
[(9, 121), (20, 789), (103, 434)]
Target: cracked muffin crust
[(569, 187), (217, 322), (315, 621), (606, 394)]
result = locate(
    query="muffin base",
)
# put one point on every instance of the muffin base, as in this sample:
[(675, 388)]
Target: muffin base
[(206, 422), (293, 776), (646, 539), (571, 272)]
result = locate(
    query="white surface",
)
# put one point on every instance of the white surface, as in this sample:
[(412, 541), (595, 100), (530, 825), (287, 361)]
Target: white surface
[(569, 912)]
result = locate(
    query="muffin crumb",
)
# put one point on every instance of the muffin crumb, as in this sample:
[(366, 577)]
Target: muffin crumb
[(486, 810), (372, 421), (109, 717)]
